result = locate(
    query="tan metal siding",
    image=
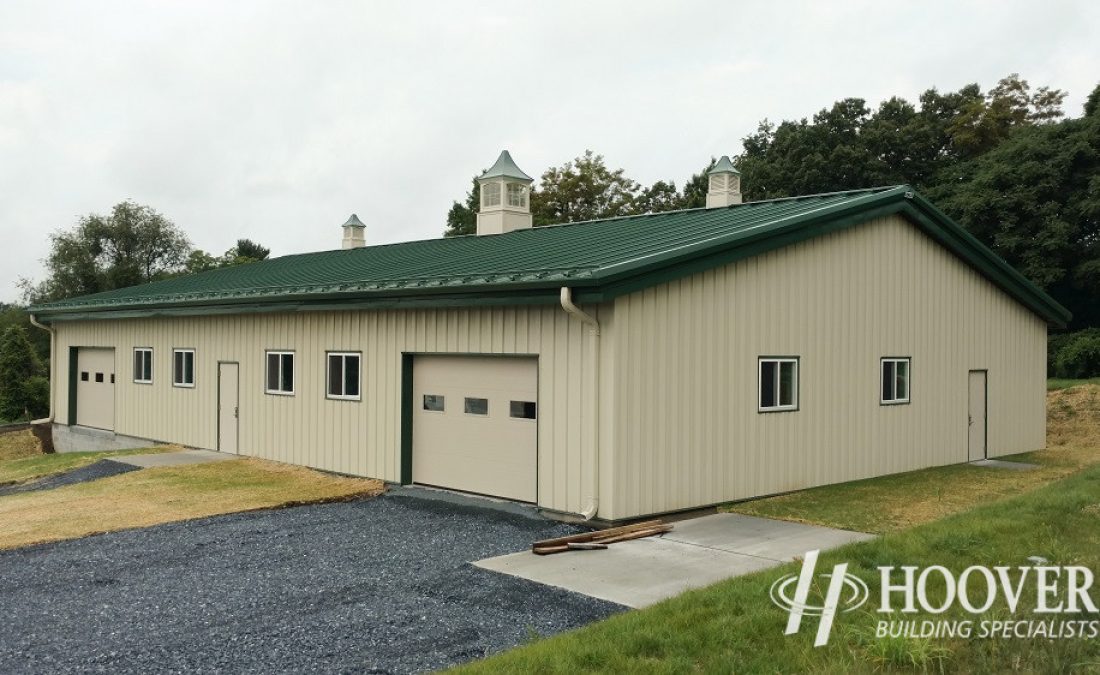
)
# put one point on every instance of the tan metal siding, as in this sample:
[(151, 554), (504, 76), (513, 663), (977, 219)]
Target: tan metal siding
[(361, 438), (685, 421)]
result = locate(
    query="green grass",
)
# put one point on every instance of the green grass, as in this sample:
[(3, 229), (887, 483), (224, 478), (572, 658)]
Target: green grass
[(733, 627), (1056, 384), (37, 466)]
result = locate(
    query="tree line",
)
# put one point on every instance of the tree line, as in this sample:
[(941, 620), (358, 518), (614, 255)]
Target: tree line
[(132, 244), (1006, 163)]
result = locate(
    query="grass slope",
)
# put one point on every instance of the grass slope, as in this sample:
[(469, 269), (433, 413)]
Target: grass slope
[(166, 494), (37, 465), (733, 627), (16, 444)]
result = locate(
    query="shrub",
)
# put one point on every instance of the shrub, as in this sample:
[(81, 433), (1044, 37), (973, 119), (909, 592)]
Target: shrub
[(20, 395), (1079, 355)]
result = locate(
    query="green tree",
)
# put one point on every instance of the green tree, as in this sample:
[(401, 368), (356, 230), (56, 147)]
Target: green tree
[(132, 245), (246, 251), (583, 189), (462, 218), (1035, 199), (21, 380)]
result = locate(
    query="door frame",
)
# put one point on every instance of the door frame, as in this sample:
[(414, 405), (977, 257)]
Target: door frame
[(985, 417), (407, 403), (218, 404)]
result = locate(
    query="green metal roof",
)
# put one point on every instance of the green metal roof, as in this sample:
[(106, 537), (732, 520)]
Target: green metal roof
[(504, 166), (724, 165), (598, 259)]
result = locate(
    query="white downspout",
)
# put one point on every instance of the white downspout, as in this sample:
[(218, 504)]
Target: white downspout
[(594, 371), (53, 368)]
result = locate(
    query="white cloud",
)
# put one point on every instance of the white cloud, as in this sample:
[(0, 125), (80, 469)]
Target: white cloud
[(276, 120)]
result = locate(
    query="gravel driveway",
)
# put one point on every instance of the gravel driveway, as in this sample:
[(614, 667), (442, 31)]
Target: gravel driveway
[(381, 585)]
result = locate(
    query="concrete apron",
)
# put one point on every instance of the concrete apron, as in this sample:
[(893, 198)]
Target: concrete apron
[(173, 458), (696, 553)]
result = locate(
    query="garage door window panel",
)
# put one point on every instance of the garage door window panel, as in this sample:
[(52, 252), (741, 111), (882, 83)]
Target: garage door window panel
[(343, 376), (183, 368), (143, 365), (778, 384), (280, 373), (523, 410), (434, 403), (476, 406)]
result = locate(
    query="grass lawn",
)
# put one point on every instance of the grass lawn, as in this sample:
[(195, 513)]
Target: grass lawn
[(732, 626), (1057, 383), (897, 502), (28, 466), (166, 494)]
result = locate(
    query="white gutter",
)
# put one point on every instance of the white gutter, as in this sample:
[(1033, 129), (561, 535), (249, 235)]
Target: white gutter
[(53, 368), (594, 372)]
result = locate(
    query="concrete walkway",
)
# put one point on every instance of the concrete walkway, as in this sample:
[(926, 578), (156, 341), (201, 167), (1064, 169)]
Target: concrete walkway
[(696, 553), (173, 458)]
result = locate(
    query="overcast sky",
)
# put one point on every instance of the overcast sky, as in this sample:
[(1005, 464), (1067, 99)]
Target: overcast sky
[(275, 121)]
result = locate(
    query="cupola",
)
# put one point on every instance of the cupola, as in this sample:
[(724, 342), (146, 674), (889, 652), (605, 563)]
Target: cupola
[(354, 233), (724, 187), (505, 198)]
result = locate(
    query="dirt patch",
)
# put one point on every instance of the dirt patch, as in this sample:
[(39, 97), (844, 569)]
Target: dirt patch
[(18, 444)]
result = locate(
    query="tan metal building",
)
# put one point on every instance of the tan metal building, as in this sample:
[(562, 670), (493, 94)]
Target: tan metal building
[(608, 369)]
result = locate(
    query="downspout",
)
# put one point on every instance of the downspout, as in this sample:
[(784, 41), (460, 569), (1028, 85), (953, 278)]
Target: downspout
[(589, 511), (53, 368)]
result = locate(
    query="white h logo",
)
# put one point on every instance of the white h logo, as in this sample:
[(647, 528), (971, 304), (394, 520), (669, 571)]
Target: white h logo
[(839, 580)]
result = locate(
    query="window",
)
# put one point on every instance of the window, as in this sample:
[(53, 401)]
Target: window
[(99, 377), (280, 373), (778, 384), (895, 380), (84, 376), (490, 194), (517, 195), (433, 402), (477, 406), (143, 365), (183, 367), (524, 410), (343, 375)]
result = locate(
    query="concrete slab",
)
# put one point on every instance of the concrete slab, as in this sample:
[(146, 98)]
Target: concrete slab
[(1002, 464), (174, 458), (696, 553)]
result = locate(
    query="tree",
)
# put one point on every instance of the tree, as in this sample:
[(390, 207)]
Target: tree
[(462, 218), (247, 251), (21, 380), (1035, 199), (132, 245), (583, 189)]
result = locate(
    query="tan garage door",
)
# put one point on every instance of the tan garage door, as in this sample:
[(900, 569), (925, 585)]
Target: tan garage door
[(475, 424), (95, 388)]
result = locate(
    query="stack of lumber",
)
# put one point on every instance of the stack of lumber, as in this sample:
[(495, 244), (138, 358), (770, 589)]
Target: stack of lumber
[(599, 539)]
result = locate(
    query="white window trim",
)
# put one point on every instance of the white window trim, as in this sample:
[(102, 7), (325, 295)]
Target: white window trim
[(760, 381), (343, 367), (184, 385), (281, 352), (136, 378), (908, 361)]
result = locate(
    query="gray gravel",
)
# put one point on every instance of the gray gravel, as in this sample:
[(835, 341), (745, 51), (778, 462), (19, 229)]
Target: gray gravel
[(101, 469), (380, 585)]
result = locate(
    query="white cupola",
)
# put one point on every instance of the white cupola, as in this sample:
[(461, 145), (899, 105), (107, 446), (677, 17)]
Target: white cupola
[(354, 233), (724, 187), (505, 198)]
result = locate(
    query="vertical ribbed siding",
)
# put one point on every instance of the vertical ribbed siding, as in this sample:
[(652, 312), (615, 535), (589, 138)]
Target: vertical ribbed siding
[(361, 438), (685, 354)]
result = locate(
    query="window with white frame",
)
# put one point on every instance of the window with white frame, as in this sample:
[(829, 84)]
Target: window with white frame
[(280, 373), (143, 365), (183, 367), (517, 195), (490, 194), (895, 380), (343, 375), (778, 383)]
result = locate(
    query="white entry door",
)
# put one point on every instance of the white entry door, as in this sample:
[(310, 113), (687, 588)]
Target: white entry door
[(228, 407), (977, 415), (475, 424), (95, 388)]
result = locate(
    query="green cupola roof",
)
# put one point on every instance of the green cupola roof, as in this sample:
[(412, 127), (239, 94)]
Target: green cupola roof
[(505, 167), (724, 165), (353, 221)]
